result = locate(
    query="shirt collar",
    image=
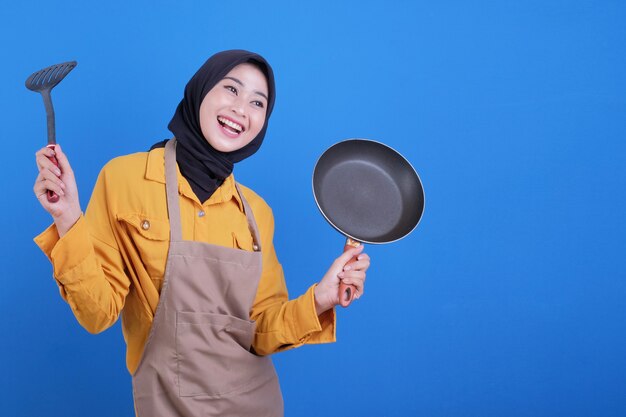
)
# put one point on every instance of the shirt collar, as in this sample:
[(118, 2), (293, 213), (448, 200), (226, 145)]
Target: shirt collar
[(155, 171)]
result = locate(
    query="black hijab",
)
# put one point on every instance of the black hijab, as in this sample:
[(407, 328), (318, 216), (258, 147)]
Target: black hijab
[(204, 167)]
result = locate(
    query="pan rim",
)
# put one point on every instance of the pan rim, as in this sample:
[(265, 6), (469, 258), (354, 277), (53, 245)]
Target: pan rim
[(347, 234)]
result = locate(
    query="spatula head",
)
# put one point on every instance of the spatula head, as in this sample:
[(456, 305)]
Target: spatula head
[(48, 77)]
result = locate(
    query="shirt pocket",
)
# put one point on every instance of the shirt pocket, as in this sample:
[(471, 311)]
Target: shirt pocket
[(242, 240), (148, 240)]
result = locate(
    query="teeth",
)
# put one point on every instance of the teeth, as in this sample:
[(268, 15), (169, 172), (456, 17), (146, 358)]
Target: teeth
[(230, 123)]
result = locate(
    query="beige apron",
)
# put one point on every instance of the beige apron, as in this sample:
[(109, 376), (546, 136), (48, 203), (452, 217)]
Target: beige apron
[(197, 359)]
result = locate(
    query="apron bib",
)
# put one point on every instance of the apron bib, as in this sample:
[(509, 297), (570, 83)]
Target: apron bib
[(197, 359)]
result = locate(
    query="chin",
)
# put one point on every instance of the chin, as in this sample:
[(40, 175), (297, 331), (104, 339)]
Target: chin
[(226, 144), (225, 147)]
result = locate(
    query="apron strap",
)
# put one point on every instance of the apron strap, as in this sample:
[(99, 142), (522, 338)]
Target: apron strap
[(171, 187), (254, 230), (173, 206)]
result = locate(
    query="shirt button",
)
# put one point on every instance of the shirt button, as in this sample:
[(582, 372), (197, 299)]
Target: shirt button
[(201, 213), (145, 225)]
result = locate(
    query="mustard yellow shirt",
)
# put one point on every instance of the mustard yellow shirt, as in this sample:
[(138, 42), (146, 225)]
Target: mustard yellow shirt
[(113, 259)]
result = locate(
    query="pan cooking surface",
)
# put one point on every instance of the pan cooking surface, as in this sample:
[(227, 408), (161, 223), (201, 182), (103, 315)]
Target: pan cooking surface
[(362, 198), (368, 191)]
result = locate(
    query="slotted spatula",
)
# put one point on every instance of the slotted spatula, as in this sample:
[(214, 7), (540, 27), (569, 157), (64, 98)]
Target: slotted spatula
[(43, 81)]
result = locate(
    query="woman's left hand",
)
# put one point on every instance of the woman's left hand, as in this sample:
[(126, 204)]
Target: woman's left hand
[(353, 273)]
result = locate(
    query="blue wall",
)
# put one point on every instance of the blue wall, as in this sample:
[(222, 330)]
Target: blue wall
[(507, 300)]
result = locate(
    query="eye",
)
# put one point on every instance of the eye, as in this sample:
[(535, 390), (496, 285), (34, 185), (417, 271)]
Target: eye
[(231, 89), (258, 103)]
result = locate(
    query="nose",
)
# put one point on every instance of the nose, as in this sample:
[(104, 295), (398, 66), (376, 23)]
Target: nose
[(238, 107)]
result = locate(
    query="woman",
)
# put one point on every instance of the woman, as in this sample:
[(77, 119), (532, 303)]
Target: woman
[(185, 253)]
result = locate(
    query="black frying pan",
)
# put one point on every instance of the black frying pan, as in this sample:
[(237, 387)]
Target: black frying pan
[(368, 192)]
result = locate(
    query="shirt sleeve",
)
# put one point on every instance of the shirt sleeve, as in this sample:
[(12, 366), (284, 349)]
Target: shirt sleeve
[(281, 323), (88, 269)]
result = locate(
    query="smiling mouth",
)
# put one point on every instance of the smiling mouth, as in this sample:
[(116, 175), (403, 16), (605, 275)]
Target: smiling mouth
[(230, 125)]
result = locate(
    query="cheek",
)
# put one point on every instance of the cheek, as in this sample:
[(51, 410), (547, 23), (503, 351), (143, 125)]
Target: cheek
[(259, 122), (205, 122)]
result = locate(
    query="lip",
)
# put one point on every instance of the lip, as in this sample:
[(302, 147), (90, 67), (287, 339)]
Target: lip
[(243, 128)]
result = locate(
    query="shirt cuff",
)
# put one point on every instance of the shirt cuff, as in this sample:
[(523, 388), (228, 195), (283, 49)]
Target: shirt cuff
[(67, 252), (315, 329), (47, 239)]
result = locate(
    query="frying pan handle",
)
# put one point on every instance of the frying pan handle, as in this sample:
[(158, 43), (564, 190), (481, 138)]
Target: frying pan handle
[(347, 292), (52, 196)]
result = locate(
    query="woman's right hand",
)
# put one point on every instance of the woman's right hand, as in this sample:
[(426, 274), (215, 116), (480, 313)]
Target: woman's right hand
[(66, 210)]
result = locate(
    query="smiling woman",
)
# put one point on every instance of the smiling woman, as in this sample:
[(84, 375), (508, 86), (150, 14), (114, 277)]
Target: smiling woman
[(233, 113), (187, 253)]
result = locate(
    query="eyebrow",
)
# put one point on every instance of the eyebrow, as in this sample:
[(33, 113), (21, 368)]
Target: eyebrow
[(241, 84)]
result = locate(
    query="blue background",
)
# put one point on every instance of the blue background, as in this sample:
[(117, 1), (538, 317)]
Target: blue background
[(507, 300)]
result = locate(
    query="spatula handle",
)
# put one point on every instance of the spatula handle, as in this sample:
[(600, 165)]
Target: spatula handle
[(47, 102), (347, 292), (52, 196)]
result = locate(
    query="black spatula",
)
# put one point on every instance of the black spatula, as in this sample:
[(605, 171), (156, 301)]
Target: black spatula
[(43, 81)]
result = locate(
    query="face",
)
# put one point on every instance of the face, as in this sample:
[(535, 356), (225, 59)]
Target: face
[(233, 112)]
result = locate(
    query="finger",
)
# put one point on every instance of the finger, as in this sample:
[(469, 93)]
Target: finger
[(42, 196), (360, 264), (45, 181), (349, 254), (353, 277), (363, 256), (52, 178), (41, 191), (38, 188), (52, 186), (45, 151), (64, 163), (44, 162), (356, 278)]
